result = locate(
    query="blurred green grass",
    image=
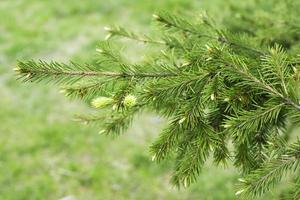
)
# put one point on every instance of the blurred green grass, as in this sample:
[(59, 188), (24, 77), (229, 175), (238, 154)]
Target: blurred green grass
[(44, 154)]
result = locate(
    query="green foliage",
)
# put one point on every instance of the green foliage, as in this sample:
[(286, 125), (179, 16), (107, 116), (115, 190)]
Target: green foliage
[(216, 86), (271, 172)]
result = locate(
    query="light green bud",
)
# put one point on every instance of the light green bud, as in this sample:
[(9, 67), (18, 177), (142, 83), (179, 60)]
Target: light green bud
[(101, 102), (227, 126), (17, 69), (129, 101)]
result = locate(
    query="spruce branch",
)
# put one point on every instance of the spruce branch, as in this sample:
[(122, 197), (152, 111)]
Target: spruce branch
[(184, 25), (262, 179), (181, 24), (240, 70), (109, 54), (114, 31), (167, 142), (70, 73), (232, 94), (113, 123), (193, 151), (89, 89), (252, 121)]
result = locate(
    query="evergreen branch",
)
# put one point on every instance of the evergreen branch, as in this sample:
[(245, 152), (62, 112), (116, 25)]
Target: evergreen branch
[(221, 153), (120, 31), (252, 121), (241, 70), (113, 123), (270, 173), (193, 151), (244, 158), (296, 192), (224, 40), (90, 118), (119, 122), (185, 26), (275, 68), (167, 142), (59, 72), (88, 89), (171, 21), (175, 87), (216, 86), (109, 54)]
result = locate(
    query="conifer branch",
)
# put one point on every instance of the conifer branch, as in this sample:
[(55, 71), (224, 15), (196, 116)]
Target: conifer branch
[(215, 86), (60, 72), (171, 21), (89, 89), (242, 71), (251, 122), (185, 26), (122, 32), (262, 179)]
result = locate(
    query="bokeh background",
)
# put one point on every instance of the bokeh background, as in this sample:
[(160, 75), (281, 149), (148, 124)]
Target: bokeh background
[(46, 155)]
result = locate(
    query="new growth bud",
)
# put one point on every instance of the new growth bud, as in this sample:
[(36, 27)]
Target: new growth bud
[(155, 16), (239, 192), (102, 131), (273, 51), (106, 28), (227, 126), (212, 97), (62, 91), (181, 120), (185, 182), (129, 101), (186, 63), (108, 36), (101, 102), (227, 99), (209, 49), (153, 157), (99, 50), (17, 69), (65, 92)]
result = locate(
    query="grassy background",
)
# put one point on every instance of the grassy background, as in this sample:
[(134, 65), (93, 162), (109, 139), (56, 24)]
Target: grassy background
[(43, 153)]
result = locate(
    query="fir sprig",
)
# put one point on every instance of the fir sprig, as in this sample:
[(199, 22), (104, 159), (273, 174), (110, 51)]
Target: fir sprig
[(228, 93)]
